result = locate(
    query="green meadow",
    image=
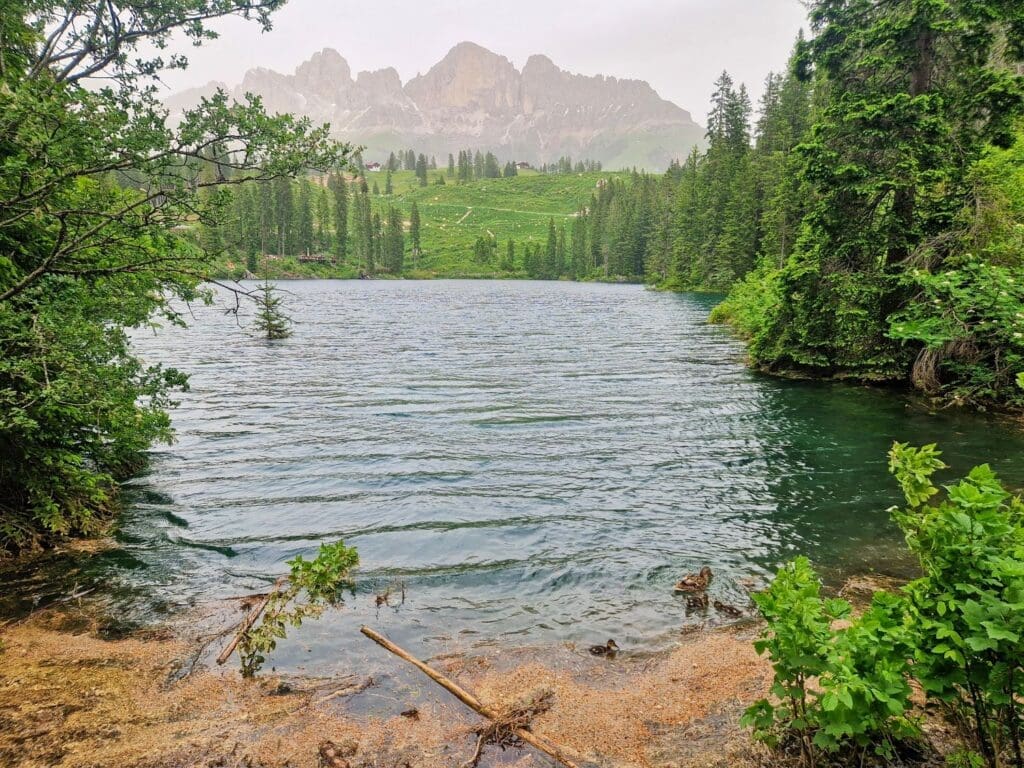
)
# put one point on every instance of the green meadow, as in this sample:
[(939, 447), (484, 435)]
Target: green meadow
[(453, 216)]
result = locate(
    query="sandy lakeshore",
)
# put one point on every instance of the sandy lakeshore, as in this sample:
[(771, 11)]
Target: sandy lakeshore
[(70, 698)]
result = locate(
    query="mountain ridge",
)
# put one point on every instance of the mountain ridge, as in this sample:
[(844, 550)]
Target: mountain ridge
[(475, 98)]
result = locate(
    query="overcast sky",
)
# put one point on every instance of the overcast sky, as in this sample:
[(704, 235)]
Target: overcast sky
[(678, 46)]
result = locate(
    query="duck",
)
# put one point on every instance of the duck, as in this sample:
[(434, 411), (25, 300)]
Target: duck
[(694, 582), (728, 610), (608, 649), (697, 601)]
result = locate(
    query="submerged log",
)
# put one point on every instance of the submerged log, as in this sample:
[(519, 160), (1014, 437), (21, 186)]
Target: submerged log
[(471, 701), (249, 620)]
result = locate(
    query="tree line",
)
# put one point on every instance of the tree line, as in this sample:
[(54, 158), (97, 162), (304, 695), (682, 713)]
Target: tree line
[(865, 220)]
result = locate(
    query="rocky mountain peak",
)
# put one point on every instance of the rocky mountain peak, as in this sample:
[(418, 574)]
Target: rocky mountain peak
[(326, 66), (475, 98), (469, 76)]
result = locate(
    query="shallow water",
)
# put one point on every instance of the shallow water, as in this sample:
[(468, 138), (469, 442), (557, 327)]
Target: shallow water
[(537, 462)]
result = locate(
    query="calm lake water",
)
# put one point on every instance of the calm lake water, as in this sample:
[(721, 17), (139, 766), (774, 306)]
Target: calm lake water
[(538, 462)]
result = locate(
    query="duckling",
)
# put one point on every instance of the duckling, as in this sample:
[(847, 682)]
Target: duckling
[(609, 649), (728, 610), (694, 582), (697, 601)]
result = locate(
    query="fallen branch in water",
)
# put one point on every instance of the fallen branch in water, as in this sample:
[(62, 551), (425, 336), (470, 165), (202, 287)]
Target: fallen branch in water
[(502, 732), (499, 718), (349, 690), (249, 620)]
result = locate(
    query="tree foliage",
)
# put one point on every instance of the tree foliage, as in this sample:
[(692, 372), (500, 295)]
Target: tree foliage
[(270, 321), (311, 587), (97, 192)]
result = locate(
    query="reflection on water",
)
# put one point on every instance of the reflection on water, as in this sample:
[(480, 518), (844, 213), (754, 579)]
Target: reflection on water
[(536, 461)]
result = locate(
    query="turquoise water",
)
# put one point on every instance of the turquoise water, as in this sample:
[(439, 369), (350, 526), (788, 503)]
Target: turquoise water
[(538, 462)]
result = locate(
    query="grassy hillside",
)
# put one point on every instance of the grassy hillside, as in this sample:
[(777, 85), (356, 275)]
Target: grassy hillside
[(453, 216)]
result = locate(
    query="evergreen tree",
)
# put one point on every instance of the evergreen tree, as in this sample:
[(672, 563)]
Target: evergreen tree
[(911, 95), (363, 246), (284, 212), (451, 166), (414, 232), (491, 169), (421, 170), (304, 229), (508, 264), (323, 220), (270, 320), (578, 267), (339, 195), (266, 221), (394, 242), (549, 271), (376, 242), (388, 188)]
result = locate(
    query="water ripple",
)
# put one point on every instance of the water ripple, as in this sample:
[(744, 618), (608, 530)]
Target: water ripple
[(536, 461)]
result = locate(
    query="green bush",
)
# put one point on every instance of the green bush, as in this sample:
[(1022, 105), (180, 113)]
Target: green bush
[(958, 630), (749, 303), (837, 689), (967, 611), (969, 321), (319, 580)]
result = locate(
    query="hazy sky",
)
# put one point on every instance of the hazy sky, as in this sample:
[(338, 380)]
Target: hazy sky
[(678, 46)]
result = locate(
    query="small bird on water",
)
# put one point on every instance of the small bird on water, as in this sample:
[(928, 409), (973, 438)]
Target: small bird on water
[(694, 582), (608, 649), (728, 610), (697, 601)]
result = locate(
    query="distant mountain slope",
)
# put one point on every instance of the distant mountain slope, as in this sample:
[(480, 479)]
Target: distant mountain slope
[(474, 98)]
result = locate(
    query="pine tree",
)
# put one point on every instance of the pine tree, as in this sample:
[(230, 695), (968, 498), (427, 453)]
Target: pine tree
[(284, 212), (421, 170), (578, 267), (265, 213), (550, 267), (376, 242), (508, 264), (339, 193), (491, 169), (394, 242), (451, 166), (362, 232), (388, 188), (323, 220), (303, 229), (270, 320), (414, 232), (911, 94)]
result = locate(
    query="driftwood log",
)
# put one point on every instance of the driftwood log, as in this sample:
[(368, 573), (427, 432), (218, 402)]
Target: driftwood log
[(471, 701), (249, 620)]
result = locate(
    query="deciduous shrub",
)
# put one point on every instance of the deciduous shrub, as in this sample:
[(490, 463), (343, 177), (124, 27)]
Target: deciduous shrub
[(967, 611), (837, 689), (311, 588), (958, 630)]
